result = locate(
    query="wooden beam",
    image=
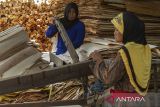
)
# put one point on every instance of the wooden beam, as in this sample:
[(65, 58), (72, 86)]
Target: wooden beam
[(67, 41), (114, 1), (56, 60), (57, 74), (47, 104), (49, 76)]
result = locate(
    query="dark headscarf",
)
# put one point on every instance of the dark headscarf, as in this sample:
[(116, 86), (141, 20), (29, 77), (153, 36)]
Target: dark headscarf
[(67, 23), (134, 29)]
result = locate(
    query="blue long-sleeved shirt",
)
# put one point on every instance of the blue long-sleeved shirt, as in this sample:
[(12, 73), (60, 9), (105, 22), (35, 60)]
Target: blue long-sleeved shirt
[(76, 34)]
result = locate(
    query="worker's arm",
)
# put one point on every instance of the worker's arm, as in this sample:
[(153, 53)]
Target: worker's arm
[(109, 71), (80, 36), (51, 31)]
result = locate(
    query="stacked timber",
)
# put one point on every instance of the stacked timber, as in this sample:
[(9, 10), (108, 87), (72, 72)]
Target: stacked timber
[(96, 14), (15, 55), (144, 10), (68, 90), (19, 58)]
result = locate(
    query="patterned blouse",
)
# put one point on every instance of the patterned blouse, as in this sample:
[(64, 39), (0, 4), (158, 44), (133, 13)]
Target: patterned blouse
[(113, 72)]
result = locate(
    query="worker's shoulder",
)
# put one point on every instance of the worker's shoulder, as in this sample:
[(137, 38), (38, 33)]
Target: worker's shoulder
[(80, 24)]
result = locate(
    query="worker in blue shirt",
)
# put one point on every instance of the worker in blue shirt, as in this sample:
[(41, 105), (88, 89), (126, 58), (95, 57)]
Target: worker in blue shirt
[(74, 28)]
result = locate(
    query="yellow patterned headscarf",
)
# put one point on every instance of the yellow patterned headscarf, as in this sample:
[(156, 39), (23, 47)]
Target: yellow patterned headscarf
[(118, 22)]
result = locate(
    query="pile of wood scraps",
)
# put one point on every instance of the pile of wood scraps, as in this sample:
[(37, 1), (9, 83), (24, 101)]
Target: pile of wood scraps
[(68, 90), (109, 48), (18, 58)]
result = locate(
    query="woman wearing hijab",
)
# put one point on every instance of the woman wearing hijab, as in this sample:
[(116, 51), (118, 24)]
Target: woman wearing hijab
[(130, 70), (74, 28)]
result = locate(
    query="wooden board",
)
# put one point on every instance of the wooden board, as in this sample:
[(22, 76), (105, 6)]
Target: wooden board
[(67, 41), (12, 40), (45, 77), (114, 1), (66, 103), (9, 30), (56, 60), (144, 7), (21, 67), (16, 58)]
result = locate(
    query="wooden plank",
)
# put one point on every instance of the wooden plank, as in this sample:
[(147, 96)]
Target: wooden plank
[(67, 41), (48, 104), (16, 58), (38, 67), (57, 61), (21, 67), (13, 51), (11, 34), (114, 1), (144, 7), (10, 41), (9, 30), (45, 77), (156, 61)]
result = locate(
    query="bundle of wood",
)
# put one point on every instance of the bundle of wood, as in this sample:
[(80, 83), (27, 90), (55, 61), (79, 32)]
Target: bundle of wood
[(17, 55), (146, 11), (20, 58), (109, 48), (97, 14), (68, 90)]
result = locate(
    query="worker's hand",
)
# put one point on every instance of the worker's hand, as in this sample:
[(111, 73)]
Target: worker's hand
[(52, 20), (96, 56)]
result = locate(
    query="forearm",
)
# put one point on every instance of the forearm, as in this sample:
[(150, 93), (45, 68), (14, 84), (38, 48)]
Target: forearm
[(98, 67), (51, 31), (109, 71)]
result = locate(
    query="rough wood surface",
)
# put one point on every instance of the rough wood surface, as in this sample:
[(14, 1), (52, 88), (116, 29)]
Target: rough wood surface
[(144, 7), (57, 74)]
